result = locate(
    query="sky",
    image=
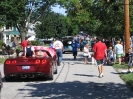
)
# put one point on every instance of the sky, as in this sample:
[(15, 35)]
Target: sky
[(57, 9)]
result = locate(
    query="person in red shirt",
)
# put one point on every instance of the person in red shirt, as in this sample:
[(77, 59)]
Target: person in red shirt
[(24, 43), (100, 53)]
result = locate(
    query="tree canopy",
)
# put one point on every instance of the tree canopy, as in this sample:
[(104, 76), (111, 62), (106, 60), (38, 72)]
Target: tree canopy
[(55, 25), (98, 17), (21, 13)]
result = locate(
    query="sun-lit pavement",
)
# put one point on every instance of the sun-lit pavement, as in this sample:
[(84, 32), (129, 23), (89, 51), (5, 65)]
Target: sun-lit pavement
[(73, 81)]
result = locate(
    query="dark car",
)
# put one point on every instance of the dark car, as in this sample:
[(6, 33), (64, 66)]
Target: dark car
[(67, 43)]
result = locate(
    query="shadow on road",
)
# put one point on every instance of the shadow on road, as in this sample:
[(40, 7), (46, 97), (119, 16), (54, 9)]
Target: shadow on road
[(85, 75), (26, 79), (78, 90)]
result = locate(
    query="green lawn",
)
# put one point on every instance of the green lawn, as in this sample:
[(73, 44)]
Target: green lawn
[(127, 77), (2, 60), (123, 66)]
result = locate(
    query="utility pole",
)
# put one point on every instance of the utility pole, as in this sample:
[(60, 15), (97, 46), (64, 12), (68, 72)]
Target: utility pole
[(127, 25)]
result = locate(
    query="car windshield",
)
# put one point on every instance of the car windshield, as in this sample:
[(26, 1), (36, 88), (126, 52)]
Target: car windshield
[(67, 42)]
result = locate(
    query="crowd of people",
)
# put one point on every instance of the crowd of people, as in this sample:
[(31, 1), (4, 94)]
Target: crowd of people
[(101, 51), (9, 49)]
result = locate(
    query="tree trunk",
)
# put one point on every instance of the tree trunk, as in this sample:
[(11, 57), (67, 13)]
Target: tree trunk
[(23, 32)]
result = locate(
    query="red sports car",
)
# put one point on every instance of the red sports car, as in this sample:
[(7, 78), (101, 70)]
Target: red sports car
[(43, 64)]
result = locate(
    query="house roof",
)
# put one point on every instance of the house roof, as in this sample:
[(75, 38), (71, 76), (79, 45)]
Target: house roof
[(14, 32)]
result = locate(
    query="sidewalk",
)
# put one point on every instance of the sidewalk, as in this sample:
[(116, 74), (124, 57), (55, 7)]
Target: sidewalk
[(111, 86)]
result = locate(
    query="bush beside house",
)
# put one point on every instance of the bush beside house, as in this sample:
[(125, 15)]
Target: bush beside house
[(1, 42), (35, 43)]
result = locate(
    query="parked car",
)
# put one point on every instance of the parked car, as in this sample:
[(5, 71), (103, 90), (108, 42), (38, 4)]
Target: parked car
[(67, 37), (43, 65), (67, 43)]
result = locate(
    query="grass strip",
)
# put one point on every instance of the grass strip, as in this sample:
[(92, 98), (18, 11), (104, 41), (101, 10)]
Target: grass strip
[(127, 77), (2, 60)]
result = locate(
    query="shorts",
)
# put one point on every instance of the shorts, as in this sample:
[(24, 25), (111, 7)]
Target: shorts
[(100, 62), (86, 56), (119, 55)]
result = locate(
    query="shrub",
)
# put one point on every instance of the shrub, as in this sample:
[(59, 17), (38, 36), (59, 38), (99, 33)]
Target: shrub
[(35, 42), (1, 42)]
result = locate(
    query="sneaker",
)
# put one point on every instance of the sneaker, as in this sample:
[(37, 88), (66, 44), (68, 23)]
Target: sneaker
[(74, 59), (59, 63), (101, 75)]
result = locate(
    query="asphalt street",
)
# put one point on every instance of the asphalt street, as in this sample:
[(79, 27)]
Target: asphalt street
[(74, 80)]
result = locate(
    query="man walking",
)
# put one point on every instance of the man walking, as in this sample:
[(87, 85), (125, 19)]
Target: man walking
[(59, 48), (100, 52), (74, 48)]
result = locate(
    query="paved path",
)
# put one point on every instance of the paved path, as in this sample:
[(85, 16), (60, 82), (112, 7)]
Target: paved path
[(111, 86)]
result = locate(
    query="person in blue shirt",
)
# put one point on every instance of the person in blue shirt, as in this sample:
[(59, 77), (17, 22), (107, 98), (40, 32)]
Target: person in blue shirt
[(74, 48), (78, 39), (51, 44)]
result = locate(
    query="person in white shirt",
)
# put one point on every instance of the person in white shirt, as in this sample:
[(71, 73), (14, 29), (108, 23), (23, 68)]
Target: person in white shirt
[(86, 53), (58, 45)]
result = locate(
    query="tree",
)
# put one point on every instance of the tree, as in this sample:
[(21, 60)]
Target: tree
[(50, 27), (19, 13), (111, 20), (99, 17), (79, 12)]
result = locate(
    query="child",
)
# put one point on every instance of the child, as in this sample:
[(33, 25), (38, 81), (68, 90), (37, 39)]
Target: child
[(129, 58), (86, 53), (110, 55)]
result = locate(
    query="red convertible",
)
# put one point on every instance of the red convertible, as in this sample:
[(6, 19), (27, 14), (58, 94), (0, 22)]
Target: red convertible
[(42, 65)]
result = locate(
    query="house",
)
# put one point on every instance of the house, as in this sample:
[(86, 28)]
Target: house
[(8, 34)]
